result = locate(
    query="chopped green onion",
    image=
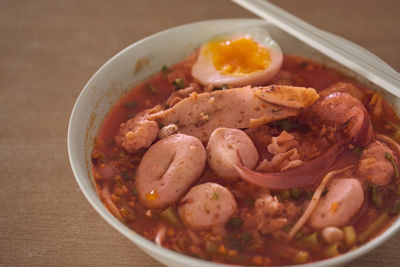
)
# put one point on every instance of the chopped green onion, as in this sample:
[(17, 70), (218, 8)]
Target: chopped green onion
[(125, 175), (334, 249), (357, 150), (396, 208), (284, 194), (296, 193), (235, 223), (225, 86), (169, 216), (134, 192), (350, 236), (311, 241), (369, 185), (310, 194), (211, 247), (396, 135), (164, 68), (324, 192), (373, 228), (164, 71), (151, 89), (246, 237), (390, 158), (377, 197), (131, 105), (130, 116), (303, 64), (285, 125), (286, 228), (155, 216), (298, 235), (254, 246), (178, 83), (234, 243), (183, 242), (215, 195)]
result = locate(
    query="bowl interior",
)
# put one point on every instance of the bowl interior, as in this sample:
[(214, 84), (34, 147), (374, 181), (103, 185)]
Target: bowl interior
[(137, 62)]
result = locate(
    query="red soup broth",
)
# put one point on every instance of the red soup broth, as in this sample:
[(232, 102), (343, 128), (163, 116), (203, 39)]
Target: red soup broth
[(114, 171)]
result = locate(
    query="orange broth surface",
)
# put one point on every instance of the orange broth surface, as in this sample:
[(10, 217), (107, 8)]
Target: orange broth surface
[(114, 172)]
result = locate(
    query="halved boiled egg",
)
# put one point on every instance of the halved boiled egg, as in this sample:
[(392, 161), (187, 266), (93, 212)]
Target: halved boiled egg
[(245, 57)]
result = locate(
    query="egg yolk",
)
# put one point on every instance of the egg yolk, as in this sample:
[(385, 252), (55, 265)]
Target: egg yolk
[(238, 57)]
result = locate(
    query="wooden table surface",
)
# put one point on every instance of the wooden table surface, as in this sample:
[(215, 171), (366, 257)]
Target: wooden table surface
[(48, 51)]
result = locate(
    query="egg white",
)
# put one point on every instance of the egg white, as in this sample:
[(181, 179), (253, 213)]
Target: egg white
[(205, 72)]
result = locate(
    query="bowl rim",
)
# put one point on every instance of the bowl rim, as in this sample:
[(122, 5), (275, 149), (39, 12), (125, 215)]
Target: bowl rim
[(148, 245)]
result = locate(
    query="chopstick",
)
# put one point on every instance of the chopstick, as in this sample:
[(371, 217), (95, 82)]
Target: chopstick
[(358, 60)]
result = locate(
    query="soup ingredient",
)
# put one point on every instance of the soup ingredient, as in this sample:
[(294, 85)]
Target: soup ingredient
[(200, 114), (395, 148), (151, 89), (286, 156), (138, 132), (179, 83), (169, 216), (376, 195), (301, 176), (222, 148), (334, 249), (314, 201), (390, 158), (390, 142), (373, 227), (272, 216), (180, 94), (374, 167), (347, 113), (168, 169), (246, 57), (311, 241), (344, 112), (342, 202), (207, 205), (286, 96), (396, 208), (350, 236), (332, 234)]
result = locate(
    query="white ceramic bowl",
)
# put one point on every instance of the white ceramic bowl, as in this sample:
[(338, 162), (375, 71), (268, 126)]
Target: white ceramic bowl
[(118, 75)]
